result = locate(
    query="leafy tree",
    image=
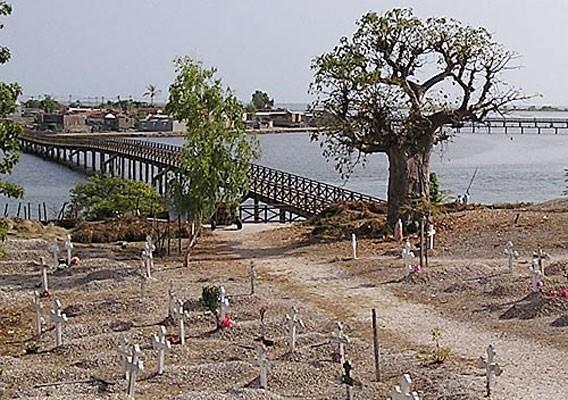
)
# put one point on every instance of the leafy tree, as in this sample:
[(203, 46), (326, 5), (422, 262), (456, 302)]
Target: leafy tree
[(217, 152), (102, 197), (151, 92), (396, 85), (9, 130), (49, 104), (260, 100)]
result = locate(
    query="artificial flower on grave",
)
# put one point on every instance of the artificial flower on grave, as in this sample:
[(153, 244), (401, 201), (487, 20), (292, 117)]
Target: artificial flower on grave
[(227, 322), (417, 268)]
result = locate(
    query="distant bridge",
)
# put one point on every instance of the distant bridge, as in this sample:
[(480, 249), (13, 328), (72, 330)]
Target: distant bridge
[(287, 196), (517, 125)]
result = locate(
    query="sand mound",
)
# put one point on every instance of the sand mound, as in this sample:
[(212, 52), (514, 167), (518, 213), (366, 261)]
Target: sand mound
[(536, 305), (365, 219)]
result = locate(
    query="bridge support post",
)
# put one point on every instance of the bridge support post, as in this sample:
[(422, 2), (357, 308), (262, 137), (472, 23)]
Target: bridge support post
[(256, 211), (282, 215)]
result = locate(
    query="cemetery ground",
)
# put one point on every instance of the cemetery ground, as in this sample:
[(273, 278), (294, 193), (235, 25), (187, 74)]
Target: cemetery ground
[(466, 293)]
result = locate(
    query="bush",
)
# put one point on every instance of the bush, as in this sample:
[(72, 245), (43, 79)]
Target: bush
[(102, 197)]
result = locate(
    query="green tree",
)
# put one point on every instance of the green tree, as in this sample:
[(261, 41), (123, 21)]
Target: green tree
[(151, 92), (396, 85), (9, 130), (102, 197), (217, 152), (260, 100), (49, 104)]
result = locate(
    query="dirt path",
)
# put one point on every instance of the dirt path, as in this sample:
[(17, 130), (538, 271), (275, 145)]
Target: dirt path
[(531, 370)]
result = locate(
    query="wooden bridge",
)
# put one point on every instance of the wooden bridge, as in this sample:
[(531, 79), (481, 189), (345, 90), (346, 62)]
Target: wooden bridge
[(291, 195), (517, 125)]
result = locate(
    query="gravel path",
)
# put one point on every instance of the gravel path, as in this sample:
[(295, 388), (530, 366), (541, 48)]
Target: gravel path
[(531, 370)]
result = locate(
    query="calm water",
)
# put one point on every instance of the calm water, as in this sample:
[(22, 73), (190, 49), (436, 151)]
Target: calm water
[(511, 168)]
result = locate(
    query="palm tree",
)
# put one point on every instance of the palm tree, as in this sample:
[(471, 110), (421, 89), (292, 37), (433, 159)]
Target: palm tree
[(151, 92)]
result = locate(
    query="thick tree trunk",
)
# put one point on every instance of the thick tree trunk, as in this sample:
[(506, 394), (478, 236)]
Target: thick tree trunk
[(408, 181)]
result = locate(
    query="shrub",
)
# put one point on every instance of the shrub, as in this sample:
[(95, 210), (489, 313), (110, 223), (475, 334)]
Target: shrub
[(102, 197)]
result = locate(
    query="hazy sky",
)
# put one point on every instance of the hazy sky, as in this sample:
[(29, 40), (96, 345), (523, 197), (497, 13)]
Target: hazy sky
[(116, 47)]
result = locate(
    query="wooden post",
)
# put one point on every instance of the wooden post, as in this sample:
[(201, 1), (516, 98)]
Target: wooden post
[(376, 346), (422, 242)]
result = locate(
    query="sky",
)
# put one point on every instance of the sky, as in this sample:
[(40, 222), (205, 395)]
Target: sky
[(86, 48)]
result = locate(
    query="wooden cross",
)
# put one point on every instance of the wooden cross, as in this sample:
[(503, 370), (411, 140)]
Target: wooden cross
[(223, 304), (161, 344), (123, 354), (44, 282), (69, 248), (354, 245), (179, 315), (403, 391), (133, 367), (491, 368), (37, 309), (293, 322), (54, 249), (252, 279), (341, 339), (264, 364), (511, 254), (347, 379), (430, 233), (58, 319), (408, 257)]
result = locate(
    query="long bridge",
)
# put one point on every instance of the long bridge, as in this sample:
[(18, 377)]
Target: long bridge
[(517, 125), (285, 196)]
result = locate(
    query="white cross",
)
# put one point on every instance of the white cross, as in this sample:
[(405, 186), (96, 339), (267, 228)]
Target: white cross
[(264, 364), (69, 248), (133, 367), (150, 248), (44, 282), (123, 354), (252, 279), (38, 320), (354, 245), (179, 315), (293, 323), (147, 264), (161, 344), (408, 257), (491, 368), (536, 278), (58, 319), (403, 391), (172, 301), (223, 304), (431, 232), (541, 256), (54, 248), (341, 339), (511, 254)]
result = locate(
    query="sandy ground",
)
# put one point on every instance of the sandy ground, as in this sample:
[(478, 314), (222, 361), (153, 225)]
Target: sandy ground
[(468, 294)]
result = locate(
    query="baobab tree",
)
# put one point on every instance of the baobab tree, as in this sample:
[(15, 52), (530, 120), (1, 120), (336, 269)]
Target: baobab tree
[(396, 86)]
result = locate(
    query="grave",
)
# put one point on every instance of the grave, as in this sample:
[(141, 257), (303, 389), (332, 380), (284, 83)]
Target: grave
[(264, 365), (341, 339), (161, 344), (179, 315), (409, 258), (69, 249), (347, 379), (123, 354), (38, 320), (430, 234), (58, 318), (354, 245), (536, 278), (511, 254), (403, 391), (293, 323), (44, 282), (54, 249), (223, 305), (150, 248), (133, 367), (491, 368), (146, 264)]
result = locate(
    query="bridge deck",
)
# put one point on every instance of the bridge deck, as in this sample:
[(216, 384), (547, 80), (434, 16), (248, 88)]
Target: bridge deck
[(296, 194)]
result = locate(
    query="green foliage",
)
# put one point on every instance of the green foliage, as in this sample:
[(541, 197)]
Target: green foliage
[(438, 354), (102, 197), (9, 130), (217, 152), (47, 104), (437, 195), (210, 298), (260, 100)]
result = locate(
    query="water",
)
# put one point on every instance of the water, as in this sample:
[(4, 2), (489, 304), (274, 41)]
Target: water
[(511, 168)]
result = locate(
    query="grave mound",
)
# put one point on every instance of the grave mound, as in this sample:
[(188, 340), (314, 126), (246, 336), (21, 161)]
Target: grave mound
[(556, 268), (339, 221), (560, 322), (241, 394), (536, 305)]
